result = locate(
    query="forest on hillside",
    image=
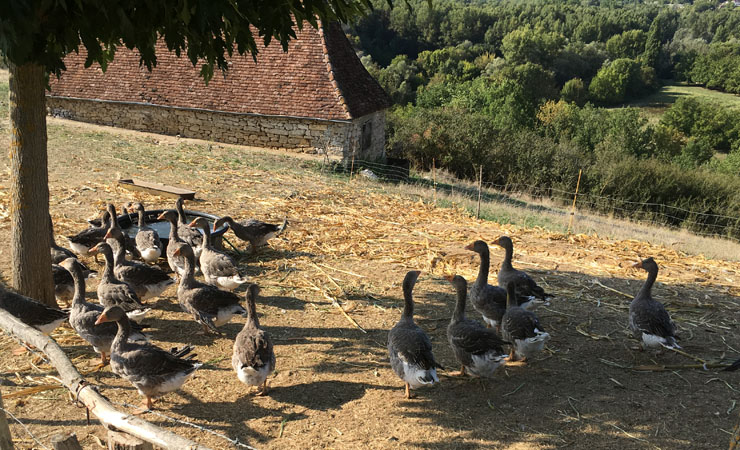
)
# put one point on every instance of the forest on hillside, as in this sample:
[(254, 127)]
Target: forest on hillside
[(531, 91)]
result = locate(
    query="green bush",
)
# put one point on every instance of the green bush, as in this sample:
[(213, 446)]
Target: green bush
[(574, 91)]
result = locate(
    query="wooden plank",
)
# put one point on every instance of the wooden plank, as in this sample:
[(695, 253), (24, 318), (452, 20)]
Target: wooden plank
[(156, 188)]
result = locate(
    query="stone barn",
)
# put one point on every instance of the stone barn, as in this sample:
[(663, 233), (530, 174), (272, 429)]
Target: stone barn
[(317, 96)]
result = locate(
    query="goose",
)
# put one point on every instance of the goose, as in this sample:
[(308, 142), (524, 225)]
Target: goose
[(128, 244), (478, 349), (147, 239), (649, 322), (256, 232), (83, 241), (58, 253), (209, 305), (191, 236), (82, 316), (112, 292), (152, 370), (488, 300), (176, 263), (63, 282), (253, 359), (219, 269), (409, 348), (525, 285), (31, 312), (147, 281), (521, 328)]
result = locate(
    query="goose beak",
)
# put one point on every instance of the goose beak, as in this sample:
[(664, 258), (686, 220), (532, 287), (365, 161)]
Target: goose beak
[(449, 278), (177, 251), (160, 217), (193, 224), (102, 318), (108, 235), (469, 246), (94, 250), (637, 265)]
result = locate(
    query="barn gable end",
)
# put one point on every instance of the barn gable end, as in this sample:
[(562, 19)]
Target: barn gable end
[(316, 96)]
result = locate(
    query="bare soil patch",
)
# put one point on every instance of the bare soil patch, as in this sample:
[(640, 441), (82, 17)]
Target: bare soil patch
[(352, 242)]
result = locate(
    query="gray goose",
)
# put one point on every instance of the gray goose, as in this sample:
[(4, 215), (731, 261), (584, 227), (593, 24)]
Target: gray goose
[(58, 253), (649, 321), (219, 269), (256, 232), (113, 292), (128, 244), (525, 285), (209, 305), (31, 312), (488, 300), (176, 263), (152, 370), (409, 348), (478, 349), (190, 235), (83, 241), (64, 286), (521, 328), (147, 239), (147, 281), (253, 359), (82, 316)]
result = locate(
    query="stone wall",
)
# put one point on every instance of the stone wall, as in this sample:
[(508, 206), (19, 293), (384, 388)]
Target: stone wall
[(340, 138)]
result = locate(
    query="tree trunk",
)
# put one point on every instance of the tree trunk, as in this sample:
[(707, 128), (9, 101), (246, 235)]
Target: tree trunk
[(6, 443), (29, 192)]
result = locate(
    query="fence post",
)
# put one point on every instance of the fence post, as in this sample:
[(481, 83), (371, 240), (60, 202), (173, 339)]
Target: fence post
[(123, 441), (434, 180), (5, 441), (480, 187), (575, 196), (352, 167), (63, 441)]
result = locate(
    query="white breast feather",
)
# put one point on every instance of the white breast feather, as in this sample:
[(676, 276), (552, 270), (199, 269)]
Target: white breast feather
[(253, 377)]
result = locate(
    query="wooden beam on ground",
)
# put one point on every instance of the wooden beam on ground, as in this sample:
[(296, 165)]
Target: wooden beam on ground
[(88, 394)]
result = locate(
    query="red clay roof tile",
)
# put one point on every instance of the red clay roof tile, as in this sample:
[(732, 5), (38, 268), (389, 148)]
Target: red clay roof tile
[(320, 77)]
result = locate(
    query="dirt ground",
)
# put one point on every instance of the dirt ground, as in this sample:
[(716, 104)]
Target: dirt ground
[(350, 241)]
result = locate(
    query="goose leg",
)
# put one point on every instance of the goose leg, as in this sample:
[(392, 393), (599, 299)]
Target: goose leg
[(103, 361), (461, 373), (264, 389), (408, 391), (146, 406)]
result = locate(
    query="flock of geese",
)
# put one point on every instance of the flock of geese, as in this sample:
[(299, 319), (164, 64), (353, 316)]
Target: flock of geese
[(509, 321), (113, 326)]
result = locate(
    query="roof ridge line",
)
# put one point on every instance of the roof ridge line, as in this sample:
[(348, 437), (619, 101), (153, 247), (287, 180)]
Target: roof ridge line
[(330, 71)]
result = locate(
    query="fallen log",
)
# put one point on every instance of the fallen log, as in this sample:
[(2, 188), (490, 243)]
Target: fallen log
[(88, 393)]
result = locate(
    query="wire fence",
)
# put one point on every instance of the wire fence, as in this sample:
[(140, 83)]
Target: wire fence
[(698, 222), (23, 425)]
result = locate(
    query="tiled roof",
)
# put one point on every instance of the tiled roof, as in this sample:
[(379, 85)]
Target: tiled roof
[(319, 77)]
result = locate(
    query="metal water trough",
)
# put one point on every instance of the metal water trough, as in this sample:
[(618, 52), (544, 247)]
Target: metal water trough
[(129, 224)]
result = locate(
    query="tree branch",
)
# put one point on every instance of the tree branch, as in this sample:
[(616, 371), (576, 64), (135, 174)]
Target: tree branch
[(88, 394)]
